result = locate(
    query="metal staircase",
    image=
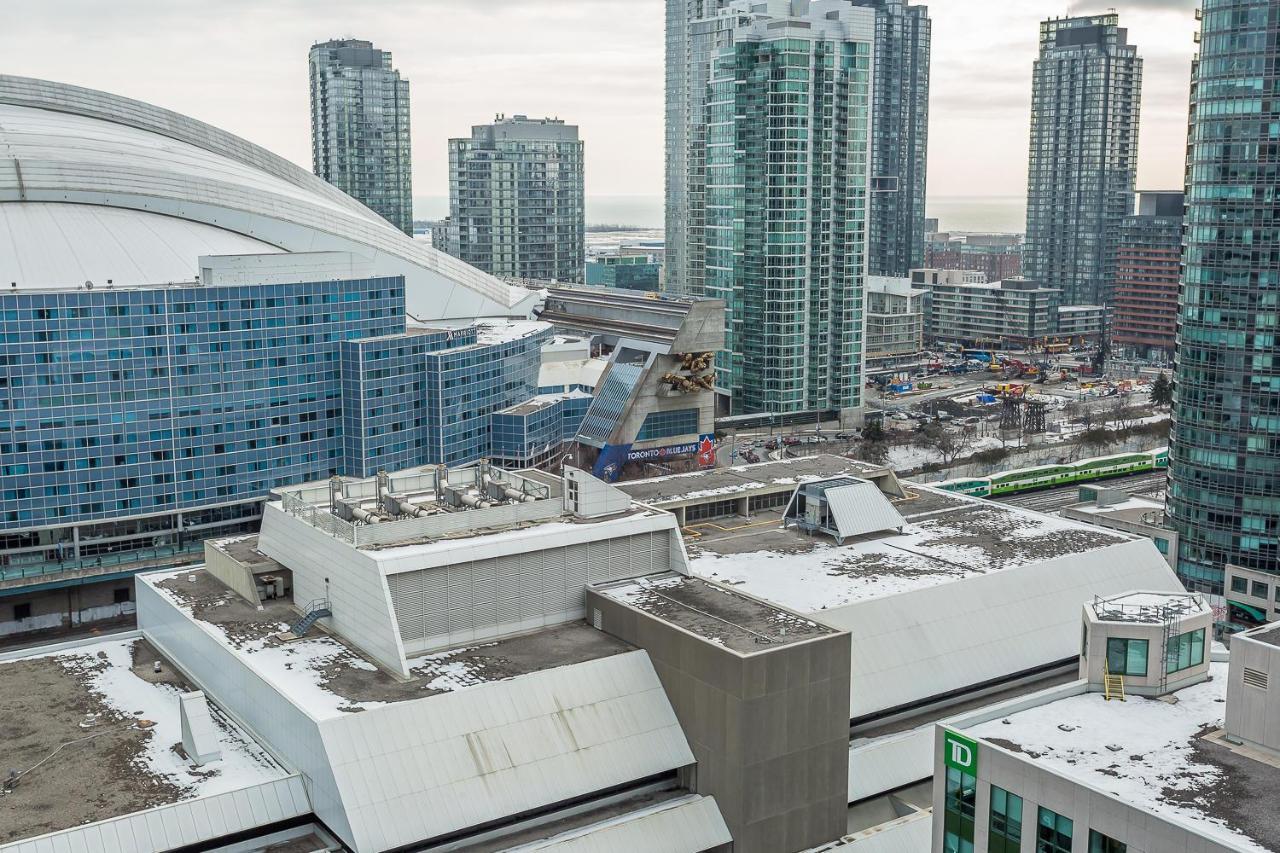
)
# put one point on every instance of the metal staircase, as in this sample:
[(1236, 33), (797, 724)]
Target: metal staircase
[(1112, 685), (317, 609)]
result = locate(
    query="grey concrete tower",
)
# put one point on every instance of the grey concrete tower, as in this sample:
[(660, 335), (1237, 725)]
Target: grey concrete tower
[(360, 127), (1086, 91)]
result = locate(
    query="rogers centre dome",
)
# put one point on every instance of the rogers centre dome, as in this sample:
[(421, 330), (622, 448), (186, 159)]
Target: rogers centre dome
[(99, 188)]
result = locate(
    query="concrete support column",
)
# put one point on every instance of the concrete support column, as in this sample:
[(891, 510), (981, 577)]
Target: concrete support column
[(744, 507)]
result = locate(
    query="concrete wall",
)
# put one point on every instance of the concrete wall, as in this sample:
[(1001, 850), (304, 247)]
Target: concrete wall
[(1142, 830), (234, 574), (1253, 712), (770, 731), (293, 735), (324, 567), (54, 610)]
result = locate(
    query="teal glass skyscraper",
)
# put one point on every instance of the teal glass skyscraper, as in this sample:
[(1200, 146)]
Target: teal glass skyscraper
[(787, 148), (900, 142), (1224, 490), (1086, 91), (360, 127)]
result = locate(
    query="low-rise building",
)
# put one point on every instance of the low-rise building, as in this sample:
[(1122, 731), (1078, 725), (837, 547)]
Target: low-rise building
[(951, 603), (1081, 323), (1089, 766), (895, 321), (1013, 312), (996, 256), (1252, 597), (1119, 510)]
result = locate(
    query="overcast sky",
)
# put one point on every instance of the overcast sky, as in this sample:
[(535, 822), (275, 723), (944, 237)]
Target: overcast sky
[(242, 65)]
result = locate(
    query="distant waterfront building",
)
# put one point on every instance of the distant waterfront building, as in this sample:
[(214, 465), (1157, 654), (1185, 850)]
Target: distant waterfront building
[(1148, 266), (628, 271), (900, 137), (895, 321), (360, 127), (997, 256), (1086, 90), (1224, 490), (516, 207), (785, 243)]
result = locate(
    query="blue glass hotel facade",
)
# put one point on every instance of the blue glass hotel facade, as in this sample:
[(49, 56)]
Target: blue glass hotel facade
[(142, 420)]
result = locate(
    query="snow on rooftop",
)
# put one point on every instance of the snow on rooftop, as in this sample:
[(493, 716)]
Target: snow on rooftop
[(501, 331), (672, 487), (1156, 766), (965, 538), (106, 670)]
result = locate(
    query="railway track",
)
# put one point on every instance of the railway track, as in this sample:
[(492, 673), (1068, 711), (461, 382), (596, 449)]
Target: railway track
[(1052, 500)]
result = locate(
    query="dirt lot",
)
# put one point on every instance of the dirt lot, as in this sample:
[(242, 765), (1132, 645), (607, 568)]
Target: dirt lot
[(41, 706)]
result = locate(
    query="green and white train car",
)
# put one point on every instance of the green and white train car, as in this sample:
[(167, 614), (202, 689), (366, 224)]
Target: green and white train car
[(1052, 476)]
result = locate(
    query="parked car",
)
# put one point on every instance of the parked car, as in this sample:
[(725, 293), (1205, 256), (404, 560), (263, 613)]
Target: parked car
[(771, 444), (790, 441)]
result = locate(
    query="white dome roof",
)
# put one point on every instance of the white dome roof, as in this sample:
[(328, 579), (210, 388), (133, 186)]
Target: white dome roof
[(53, 245), (190, 188)]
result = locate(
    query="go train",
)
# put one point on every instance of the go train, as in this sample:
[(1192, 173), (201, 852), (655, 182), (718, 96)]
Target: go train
[(1051, 476)]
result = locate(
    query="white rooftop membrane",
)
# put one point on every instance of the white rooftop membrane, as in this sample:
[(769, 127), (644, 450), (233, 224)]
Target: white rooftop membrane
[(53, 245)]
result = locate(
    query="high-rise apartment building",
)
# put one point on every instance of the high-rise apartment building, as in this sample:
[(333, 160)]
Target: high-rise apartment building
[(787, 151), (695, 32), (1086, 91), (900, 137), (1224, 491), (360, 127), (516, 207), (1144, 318)]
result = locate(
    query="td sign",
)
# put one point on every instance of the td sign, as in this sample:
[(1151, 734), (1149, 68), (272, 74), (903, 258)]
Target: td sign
[(959, 753)]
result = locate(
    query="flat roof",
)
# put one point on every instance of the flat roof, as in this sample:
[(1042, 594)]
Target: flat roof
[(1134, 509), (742, 479), (719, 615), (327, 677), (947, 537), (125, 761), (1269, 635), (1152, 755), (1149, 607)]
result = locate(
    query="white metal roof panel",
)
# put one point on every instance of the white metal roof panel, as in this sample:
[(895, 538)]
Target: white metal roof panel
[(935, 639), (179, 824), (65, 245), (860, 508), (416, 770), (687, 825)]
